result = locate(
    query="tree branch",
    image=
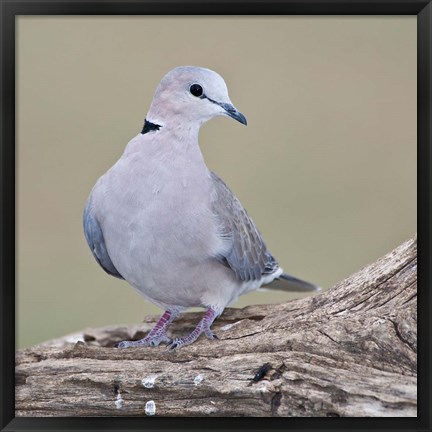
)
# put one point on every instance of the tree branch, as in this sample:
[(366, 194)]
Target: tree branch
[(350, 351)]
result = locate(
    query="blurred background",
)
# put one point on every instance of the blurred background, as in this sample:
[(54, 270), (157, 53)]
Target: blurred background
[(326, 166)]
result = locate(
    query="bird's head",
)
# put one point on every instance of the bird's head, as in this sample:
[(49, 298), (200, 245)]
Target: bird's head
[(194, 95)]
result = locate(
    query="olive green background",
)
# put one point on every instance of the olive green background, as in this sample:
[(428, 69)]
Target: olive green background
[(326, 166)]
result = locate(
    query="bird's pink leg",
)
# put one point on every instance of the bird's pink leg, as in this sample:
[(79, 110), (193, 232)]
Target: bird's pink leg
[(202, 327), (157, 333)]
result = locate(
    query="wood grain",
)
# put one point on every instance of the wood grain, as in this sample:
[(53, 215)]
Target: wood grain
[(350, 351)]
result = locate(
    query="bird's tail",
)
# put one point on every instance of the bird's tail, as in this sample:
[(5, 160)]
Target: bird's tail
[(288, 283)]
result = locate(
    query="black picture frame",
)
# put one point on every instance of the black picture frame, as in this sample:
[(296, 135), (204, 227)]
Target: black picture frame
[(12, 8)]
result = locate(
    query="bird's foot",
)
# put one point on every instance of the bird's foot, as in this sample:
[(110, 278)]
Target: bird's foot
[(149, 340), (179, 342), (156, 335), (202, 327)]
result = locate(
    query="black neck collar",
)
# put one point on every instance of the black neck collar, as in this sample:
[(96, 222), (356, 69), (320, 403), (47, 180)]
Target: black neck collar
[(149, 127)]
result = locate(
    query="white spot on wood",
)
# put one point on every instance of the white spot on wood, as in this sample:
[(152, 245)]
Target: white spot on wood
[(150, 408), (228, 326), (375, 408), (198, 379), (74, 339), (209, 410), (119, 401), (378, 322), (344, 312), (149, 381), (263, 386)]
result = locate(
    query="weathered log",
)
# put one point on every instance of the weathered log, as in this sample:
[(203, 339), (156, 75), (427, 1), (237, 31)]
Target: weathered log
[(350, 351)]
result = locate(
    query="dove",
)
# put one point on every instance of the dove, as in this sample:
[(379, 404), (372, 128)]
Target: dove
[(160, 219)]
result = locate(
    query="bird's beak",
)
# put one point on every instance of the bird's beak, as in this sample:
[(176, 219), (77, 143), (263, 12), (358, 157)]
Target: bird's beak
[(230, 110), (233, 112)]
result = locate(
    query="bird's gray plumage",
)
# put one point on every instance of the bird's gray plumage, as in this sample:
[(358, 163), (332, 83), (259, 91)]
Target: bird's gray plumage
[(161, 220), (247, 254), (96, 242)]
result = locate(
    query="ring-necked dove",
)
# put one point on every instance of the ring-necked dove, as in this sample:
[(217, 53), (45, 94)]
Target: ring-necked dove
[(161, 220)]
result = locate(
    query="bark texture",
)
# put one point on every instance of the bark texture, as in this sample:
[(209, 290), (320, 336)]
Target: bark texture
[(350, 351)]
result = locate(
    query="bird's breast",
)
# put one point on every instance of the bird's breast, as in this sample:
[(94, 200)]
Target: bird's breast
[(157, 216)]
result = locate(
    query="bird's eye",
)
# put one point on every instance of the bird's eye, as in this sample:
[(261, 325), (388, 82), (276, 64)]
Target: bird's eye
[(196, 90)]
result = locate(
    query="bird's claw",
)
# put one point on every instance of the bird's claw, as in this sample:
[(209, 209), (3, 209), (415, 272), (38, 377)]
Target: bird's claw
[(175, 344), (148, 341), (179, 342), (210, 335), (124, 344)]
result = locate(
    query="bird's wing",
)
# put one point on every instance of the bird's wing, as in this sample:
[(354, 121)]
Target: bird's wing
[(96, 242), (246, 252)]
